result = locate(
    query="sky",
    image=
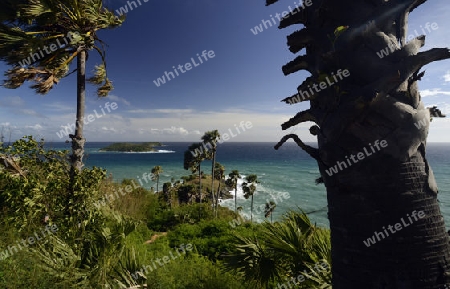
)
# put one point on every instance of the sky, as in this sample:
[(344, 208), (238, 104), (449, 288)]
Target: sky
[(238, 80)]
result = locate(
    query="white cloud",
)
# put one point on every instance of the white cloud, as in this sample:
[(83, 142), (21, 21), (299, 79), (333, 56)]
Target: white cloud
[(119, 99), (11, 101), (433, 92), (34, 127), (110, 129), (167, 111), (58, 106), (173, 130), (447, 76), (30, 112)]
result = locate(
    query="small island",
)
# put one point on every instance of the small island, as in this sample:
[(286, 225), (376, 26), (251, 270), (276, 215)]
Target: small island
[(132, 147)]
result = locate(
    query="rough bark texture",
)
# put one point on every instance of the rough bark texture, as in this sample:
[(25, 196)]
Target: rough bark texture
[(379, 100), (78, 140)]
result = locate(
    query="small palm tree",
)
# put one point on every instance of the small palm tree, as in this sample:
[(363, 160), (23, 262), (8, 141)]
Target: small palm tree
[(249, 188), (270, 207), (210, 140), (156, 171), (285, 249), (219, 172), (232, 182), (193, 158)]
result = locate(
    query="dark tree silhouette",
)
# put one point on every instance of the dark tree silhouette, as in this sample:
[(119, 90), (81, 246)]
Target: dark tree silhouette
[(376, 100)]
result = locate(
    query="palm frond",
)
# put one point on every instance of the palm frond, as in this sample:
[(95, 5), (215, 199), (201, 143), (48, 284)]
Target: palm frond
[(252, 262)]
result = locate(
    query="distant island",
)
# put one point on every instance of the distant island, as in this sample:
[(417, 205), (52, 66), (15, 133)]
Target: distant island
[(132, 147)]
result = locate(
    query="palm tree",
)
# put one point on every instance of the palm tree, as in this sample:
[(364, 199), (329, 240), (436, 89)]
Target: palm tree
[(193, 158), (167, 195), (270, 207), (249, 188), (210, 140), (232, 182), (291, 247), (156, 171), (219, 172), (30, 27), (366, 99)]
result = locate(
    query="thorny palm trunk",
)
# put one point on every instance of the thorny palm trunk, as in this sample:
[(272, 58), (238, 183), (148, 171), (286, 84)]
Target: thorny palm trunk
[(378, 101), (77, 139)]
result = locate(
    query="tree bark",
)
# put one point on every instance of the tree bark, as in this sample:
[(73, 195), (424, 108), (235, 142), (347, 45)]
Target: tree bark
[(374, 191), (78, 140), (235, 197), (200, 181), (157, 183), (212, 183), (251, 211)]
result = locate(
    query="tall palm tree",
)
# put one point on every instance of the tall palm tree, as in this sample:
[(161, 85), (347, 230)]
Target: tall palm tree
[(366, 99), (193, 158), (156, 171), (249, 188), (268, 210), (30, 27), (210, 141), (232, 182), (219, 172)]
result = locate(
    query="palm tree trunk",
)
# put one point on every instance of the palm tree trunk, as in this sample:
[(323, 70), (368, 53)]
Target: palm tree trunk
[(235, 198), (200, 181), (77, 139), (413, 255), (157, 183), (217, 196), (251, 210), (373, 197), (212, 183)]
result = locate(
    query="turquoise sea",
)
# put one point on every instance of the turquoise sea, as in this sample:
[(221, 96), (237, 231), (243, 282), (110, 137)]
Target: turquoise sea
[(288, 170)]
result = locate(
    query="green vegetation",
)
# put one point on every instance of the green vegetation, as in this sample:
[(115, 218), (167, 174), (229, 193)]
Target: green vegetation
[(132, 147), (26, 26), (108, 245)]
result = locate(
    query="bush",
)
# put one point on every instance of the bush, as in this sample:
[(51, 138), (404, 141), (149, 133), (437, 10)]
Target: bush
[(211, 238)]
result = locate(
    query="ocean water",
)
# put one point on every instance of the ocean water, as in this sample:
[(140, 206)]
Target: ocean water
[(286, 175)]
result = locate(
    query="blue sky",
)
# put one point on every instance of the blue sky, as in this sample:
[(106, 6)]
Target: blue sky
[(243, 82)]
